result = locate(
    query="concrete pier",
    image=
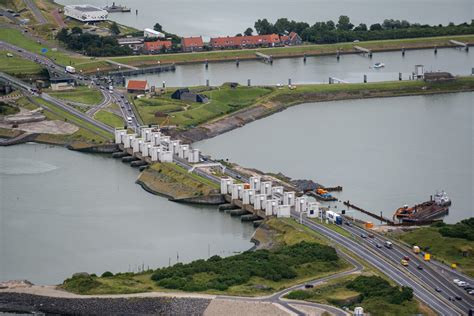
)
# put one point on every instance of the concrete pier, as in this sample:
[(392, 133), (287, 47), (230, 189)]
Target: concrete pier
[(265, 58), (363, 50), (460, 44)]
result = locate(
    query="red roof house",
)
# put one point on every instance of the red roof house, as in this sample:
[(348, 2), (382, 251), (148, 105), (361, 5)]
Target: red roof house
[(137, 86), (157, 46), (192, 44), (245, 41)]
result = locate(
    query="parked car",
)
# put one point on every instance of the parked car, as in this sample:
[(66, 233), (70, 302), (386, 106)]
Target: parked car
[(363, 235), (458, 297), (371, 235), (378, 245), (308, 286), (438, 290), (419, 267)]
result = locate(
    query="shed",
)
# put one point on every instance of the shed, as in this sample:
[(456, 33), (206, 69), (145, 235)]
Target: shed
[(185, 94), (438, 76), (137, 86)]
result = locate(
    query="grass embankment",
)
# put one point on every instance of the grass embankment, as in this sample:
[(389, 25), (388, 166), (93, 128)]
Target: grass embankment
[(298, 255), (293, 50), (108, 118), (222, 101), (17, 66), (171, 180), (16, 37), (80, 94), (373, 293), (445, 248)]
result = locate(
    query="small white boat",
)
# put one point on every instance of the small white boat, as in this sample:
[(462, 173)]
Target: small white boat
[(378, 65)]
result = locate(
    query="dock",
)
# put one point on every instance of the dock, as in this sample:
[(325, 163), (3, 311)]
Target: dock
[(319, 197), (460, 44), (363, 50), (378, 217), (265, 58), (336, 80), (141, 71)]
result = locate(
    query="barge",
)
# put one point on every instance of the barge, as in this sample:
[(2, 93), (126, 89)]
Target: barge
[(116, 8), (435, 208)]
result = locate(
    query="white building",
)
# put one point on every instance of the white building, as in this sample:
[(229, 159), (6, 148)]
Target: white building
[(314, 209), (283, 211), (300, 204), (165, 156), (155, 138), (85, 13), (254, 183), (174, 146), (237, 191), (183, 151), (145, 149), (289, 198), (136, 144), (259, 201), (226, 185), (248, 198), (127, 143), (120, 135), (155, 153), (271, 207), (152, 33), (193, 156), (266, 188)]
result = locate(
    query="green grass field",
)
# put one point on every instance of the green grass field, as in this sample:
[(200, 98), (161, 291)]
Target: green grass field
[(81, 94), (17, 66), (109, 118), (223, 100), (445, 249)]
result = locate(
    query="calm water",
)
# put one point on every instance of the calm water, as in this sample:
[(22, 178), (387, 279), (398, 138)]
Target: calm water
[(384, 152), (228, 17), (63, 212), (350, 68)]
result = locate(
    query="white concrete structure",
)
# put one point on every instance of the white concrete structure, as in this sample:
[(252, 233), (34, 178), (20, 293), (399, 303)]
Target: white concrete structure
[(183, 151), (174, 146), (136, 144), (120, 135), (226, 185), (237, 191), (85, 13), (165, 156), (271, 207), (266, 187), (145, 149), (289, 198), (165, 139), (277, 193), (300, 204), (146, 133), (314, 209), (358, 311), (193, 156), (248, 198), (259, 201), (127, 143), (155, 153), (155, 138), (255, 183), (283, 211), (152, 33)]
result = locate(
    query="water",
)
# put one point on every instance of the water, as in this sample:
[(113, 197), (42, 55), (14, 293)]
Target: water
[(384, 152), (227, 17), (318, 69), (63, 212)]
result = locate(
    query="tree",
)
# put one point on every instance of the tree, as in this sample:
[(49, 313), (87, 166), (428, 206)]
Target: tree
[(282, 26), (114, 29), (248, 31), (264, 27), (361, 27), (376, 27), (344, 23), (158, 27), (238, 35), (76, 30), (62, 35)]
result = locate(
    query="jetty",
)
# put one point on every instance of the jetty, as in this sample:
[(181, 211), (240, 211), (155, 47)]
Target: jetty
[(265, 58), (379, 217), (141, 71), (363, 50), (460, 44)]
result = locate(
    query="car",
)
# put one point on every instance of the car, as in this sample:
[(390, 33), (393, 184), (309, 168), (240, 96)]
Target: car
[(458, 297), (348, 223), (308, 286), (20, 51), (419, 267), (363, 235), (371, 235), (462, 284), (437, 289), (122, 106), (450, 299), (122, 96), (471, 292), (378, 245), (406, 258), (456, 281)]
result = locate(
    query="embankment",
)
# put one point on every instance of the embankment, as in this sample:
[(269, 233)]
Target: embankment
[(285, 98)]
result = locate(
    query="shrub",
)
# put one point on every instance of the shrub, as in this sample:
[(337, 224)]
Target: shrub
[(299, 295), (107, 274)]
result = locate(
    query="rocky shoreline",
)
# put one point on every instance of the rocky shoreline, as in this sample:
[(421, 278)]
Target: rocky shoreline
[(28, 303)]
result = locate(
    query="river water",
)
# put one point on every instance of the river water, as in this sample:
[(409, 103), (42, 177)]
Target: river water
[(62, 212), (227, 17), (317, 69), (384, 152)]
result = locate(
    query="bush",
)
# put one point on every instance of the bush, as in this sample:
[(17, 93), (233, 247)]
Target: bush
[(107, 274), (463, 229), (81, 284), (376, 287), (299, 295)]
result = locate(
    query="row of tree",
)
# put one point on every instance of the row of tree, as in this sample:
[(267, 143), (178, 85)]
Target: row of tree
[(91, 44), (344, 30)]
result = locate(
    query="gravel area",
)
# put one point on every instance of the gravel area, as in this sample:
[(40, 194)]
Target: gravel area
[(219, 307), (10, 302)]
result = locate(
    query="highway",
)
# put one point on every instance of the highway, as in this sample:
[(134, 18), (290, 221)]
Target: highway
[(36, 12)]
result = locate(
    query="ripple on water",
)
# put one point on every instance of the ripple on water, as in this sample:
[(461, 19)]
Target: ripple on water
[(20, 166)]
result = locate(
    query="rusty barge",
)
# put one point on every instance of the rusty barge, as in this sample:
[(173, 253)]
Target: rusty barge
[(436, 208)]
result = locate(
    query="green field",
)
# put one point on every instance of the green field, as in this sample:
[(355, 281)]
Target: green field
[(80, 94), (109, 118), (292, 51), (445, 249), (223, 100), (17, 66)]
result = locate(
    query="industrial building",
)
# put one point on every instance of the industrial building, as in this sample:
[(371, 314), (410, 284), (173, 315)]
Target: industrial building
[(152, 33), (86, 13)]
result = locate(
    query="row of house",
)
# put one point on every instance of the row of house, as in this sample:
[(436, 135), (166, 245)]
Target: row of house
[(154, 42)]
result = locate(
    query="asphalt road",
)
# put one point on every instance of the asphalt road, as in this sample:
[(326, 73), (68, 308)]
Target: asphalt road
[(36, 12)]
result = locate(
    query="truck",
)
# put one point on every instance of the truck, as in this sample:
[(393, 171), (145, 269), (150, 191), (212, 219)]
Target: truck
[(70, 69), (416, 249), (334, 217), (388, 244), (427, 257)]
